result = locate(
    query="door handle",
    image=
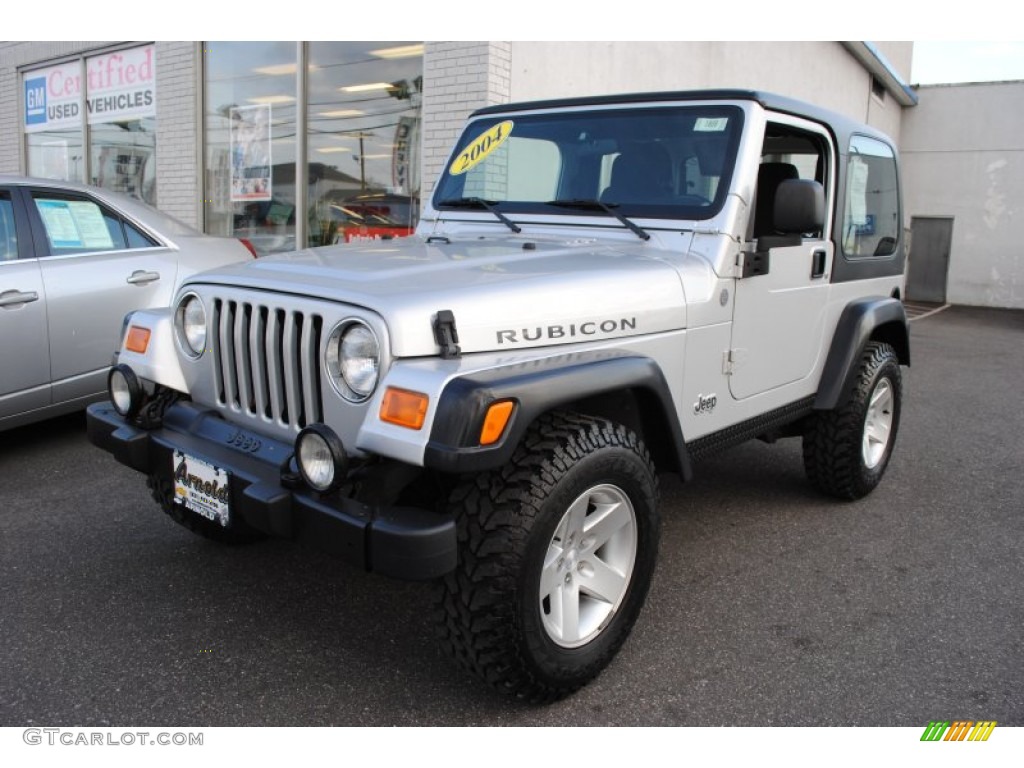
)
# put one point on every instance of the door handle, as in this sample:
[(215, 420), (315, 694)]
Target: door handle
[(818, 259), (141, 277), (17, 298)]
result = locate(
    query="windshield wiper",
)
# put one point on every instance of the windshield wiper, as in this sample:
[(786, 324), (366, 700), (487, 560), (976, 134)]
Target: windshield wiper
[(478, 202), (597, 205)]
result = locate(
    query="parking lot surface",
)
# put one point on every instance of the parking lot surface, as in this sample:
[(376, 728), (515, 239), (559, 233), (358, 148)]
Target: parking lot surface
[(771, 604)]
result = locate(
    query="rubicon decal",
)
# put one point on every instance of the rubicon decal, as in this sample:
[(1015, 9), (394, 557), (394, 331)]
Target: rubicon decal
[(570, 331), (958, 730)]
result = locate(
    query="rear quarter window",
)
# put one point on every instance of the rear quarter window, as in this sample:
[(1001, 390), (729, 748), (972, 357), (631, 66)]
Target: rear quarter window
[(871, 216)]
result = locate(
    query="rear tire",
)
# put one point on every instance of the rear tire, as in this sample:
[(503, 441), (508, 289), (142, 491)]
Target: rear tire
[(556, 554), (847, 450)]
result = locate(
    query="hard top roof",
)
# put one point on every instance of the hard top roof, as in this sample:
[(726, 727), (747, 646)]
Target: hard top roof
[(840, 125)]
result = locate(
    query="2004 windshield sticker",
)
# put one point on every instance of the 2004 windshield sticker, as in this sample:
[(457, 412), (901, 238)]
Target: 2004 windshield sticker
[(481, 147)]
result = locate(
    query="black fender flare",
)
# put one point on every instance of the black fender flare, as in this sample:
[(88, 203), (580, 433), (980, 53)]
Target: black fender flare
[(539, 386), (862, 320)]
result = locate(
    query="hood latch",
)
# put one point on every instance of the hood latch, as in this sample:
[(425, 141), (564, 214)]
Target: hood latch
[(446, 334)]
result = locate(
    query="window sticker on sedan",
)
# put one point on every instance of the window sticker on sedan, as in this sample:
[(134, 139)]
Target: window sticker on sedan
[(481, 147), (74, 224)]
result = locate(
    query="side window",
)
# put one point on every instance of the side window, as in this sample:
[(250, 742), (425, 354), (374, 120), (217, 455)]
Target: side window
[(76, 224), (137, 239), (871, 217), (8, 235), (788, 153)]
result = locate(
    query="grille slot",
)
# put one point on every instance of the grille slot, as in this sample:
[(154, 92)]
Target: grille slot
[(266, 362)]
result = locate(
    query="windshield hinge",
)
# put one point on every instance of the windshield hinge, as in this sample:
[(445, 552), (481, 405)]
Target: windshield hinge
[(446, 335)]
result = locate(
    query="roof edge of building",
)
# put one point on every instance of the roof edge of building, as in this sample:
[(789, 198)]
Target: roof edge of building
[(875, 62)]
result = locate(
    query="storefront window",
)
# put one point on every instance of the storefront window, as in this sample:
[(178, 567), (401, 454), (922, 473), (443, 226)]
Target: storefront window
[(250, 113), (122, 157), (56, 155), (116, 91), (363, 140), (359, 118)]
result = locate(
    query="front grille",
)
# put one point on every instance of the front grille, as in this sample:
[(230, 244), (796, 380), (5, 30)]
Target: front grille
[(266, 361)]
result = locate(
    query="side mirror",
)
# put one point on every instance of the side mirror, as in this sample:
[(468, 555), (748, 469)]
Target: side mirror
[(799, 206)]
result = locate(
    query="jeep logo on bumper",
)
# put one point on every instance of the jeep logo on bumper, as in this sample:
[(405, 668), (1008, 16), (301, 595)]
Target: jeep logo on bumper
[(243, 442), (553, 332)]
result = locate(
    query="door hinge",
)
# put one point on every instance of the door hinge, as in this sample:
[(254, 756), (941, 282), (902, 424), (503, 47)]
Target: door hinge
[(732, 359), (752, 263)]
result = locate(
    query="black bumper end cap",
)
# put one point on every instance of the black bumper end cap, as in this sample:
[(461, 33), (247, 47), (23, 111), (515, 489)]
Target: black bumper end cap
[(105, 428), (412, 543)]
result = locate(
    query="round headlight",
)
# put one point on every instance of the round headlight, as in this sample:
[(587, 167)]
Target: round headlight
[(360, 360), (353, 360), (125, 390), (321, 458), (192, 322)]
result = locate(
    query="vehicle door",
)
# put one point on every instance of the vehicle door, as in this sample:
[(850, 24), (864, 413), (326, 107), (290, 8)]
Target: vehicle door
[(778, 316), (24, 352), (96, 267)]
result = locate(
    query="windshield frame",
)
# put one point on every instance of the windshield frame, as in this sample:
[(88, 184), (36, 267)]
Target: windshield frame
[(451, 186)]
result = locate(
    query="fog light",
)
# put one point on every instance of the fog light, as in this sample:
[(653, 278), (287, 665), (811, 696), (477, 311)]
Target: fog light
[(321, 458), (125, 390)]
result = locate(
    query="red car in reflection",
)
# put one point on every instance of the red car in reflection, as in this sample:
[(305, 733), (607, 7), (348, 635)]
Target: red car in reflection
[(373, 217)]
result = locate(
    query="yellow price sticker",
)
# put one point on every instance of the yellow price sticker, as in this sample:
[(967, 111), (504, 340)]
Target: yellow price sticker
[(481, 147)]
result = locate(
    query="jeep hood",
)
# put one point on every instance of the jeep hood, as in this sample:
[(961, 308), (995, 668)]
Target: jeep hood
[(506, 293)]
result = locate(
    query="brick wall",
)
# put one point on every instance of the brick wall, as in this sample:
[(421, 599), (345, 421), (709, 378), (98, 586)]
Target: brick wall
[(178, 142), (458, 77)]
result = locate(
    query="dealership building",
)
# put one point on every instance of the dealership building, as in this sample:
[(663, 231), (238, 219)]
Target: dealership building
[(292, 144)]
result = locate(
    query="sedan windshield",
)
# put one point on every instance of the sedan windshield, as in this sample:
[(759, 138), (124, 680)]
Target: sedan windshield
[(654, 162)]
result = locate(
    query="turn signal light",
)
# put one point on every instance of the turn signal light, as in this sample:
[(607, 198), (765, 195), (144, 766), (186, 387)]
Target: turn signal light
[(495, 421), (138, 340), (404, 408)]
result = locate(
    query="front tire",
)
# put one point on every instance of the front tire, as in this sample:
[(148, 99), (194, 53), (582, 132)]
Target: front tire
[(557, 550), (847, 450)]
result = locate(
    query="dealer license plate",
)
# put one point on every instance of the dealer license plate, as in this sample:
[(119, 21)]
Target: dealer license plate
[(201, 487)]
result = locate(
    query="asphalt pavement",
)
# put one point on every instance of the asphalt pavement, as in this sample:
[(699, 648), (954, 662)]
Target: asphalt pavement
[(771, 605)]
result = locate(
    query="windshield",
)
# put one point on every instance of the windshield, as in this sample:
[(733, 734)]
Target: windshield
[(659, 162)]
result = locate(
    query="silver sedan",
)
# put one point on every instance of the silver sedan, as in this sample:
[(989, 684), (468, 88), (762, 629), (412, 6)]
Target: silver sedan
[(74, 260)]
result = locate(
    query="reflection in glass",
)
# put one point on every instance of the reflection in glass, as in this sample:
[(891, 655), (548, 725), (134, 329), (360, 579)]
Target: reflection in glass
[(363, 148), (123, 157), (56, 155), (250, 109)]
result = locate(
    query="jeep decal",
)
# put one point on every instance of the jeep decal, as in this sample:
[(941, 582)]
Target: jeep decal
[(590, 328), (705, 404)]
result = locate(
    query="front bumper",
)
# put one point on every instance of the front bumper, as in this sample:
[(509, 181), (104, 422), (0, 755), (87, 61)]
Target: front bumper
[(403, 542)]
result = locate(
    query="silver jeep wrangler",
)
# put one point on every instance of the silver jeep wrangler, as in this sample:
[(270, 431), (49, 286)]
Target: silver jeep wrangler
[(600, 290)]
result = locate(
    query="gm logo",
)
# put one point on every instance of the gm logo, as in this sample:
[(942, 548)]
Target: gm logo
[(35, 101)]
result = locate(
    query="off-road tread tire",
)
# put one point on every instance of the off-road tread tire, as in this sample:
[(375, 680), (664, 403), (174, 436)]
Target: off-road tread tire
[(832, 441), (480, 604), (162, 491)]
